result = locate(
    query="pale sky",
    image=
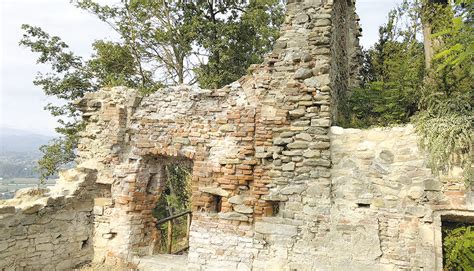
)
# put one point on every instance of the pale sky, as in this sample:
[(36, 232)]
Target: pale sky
[(21, 102)]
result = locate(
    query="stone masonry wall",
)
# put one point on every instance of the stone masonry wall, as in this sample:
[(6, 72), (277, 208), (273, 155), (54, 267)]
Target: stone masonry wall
[(254, 145), (274, 186), (388, 206), (42, 229)]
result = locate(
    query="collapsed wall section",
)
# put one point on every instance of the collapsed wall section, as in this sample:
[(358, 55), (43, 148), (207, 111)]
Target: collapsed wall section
[(43, 229)]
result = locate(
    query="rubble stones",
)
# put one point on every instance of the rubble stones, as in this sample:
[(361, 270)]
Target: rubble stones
[(303, 73)]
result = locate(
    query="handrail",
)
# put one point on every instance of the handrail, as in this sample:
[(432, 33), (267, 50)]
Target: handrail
[(166, 219), (170, 228)]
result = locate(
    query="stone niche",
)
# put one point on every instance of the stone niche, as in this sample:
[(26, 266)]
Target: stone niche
[(274, 186)]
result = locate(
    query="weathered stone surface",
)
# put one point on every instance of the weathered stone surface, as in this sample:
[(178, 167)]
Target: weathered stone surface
[(236, 199), (214, 191), (294, 189), (243, 209), (297, 113), (303, 73), (386, 156), (298, 145), (378, 171), (432, 185), (301, 18), (415, 192), (233, 216), (304, 136), (7, 210), (312, 154), (277, 229), (288, 167), (227, 128), (43, 224), (316, 162)]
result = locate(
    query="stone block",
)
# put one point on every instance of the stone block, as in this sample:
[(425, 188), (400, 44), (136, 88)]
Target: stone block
[(293, 189), (432, 185), (243, 209), (236, 199), (7, 210), (214, 191), (233, 216), (278, 229), (288, 166), (316, 162), (227, 128), (298, 145), (304, 136), (303, 73), (274, 197), (32, 208)]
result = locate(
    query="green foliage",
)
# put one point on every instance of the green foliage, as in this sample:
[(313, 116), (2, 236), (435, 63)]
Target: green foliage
[(210, 42), (233, 36), (458, 37), (458, 248), (176, 198), (392, 73), (379, 104), (396, 88), (155, 34), (113, 65), (162, 43), (57, 153), (446, 117), (176, 192), (70, 78)]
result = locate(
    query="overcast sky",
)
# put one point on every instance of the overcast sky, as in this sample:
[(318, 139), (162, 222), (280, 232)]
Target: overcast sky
[(21, 102)]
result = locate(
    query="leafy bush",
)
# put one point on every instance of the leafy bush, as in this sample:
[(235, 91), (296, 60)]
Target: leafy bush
[(458, 248), (446, 117)]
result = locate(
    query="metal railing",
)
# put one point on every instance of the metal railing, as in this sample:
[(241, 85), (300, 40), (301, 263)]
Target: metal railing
[(170, 220)]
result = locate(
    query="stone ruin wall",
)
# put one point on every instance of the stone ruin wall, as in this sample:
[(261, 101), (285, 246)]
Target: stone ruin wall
[(387, 199), (295, 193), (43, 229)]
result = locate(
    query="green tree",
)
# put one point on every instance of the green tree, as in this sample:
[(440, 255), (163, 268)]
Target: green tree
[(397, 87), (210, 42), (70, 78), (445, 119), (392, 73), (155, 33), (233, 35), (161, 43)]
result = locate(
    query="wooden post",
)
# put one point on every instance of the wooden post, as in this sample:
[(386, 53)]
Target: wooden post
[(170, 236), (188, 226)]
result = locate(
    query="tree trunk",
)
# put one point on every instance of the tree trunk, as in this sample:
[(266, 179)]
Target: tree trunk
[(428, 44), (426, 19)]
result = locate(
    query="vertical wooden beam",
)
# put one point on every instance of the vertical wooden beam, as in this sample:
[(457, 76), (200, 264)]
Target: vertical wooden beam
[(170, 236), (188, 226)]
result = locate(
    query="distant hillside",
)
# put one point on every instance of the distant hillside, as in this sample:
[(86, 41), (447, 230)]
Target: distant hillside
[(19, 153), (20, 141)]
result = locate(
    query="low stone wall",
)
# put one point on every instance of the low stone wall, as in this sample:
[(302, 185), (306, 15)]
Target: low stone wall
[(388, 202), (49, 229)]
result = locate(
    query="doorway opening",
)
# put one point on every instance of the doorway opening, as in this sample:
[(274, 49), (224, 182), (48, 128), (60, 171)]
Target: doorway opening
[(457, 242), (173, 208)]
